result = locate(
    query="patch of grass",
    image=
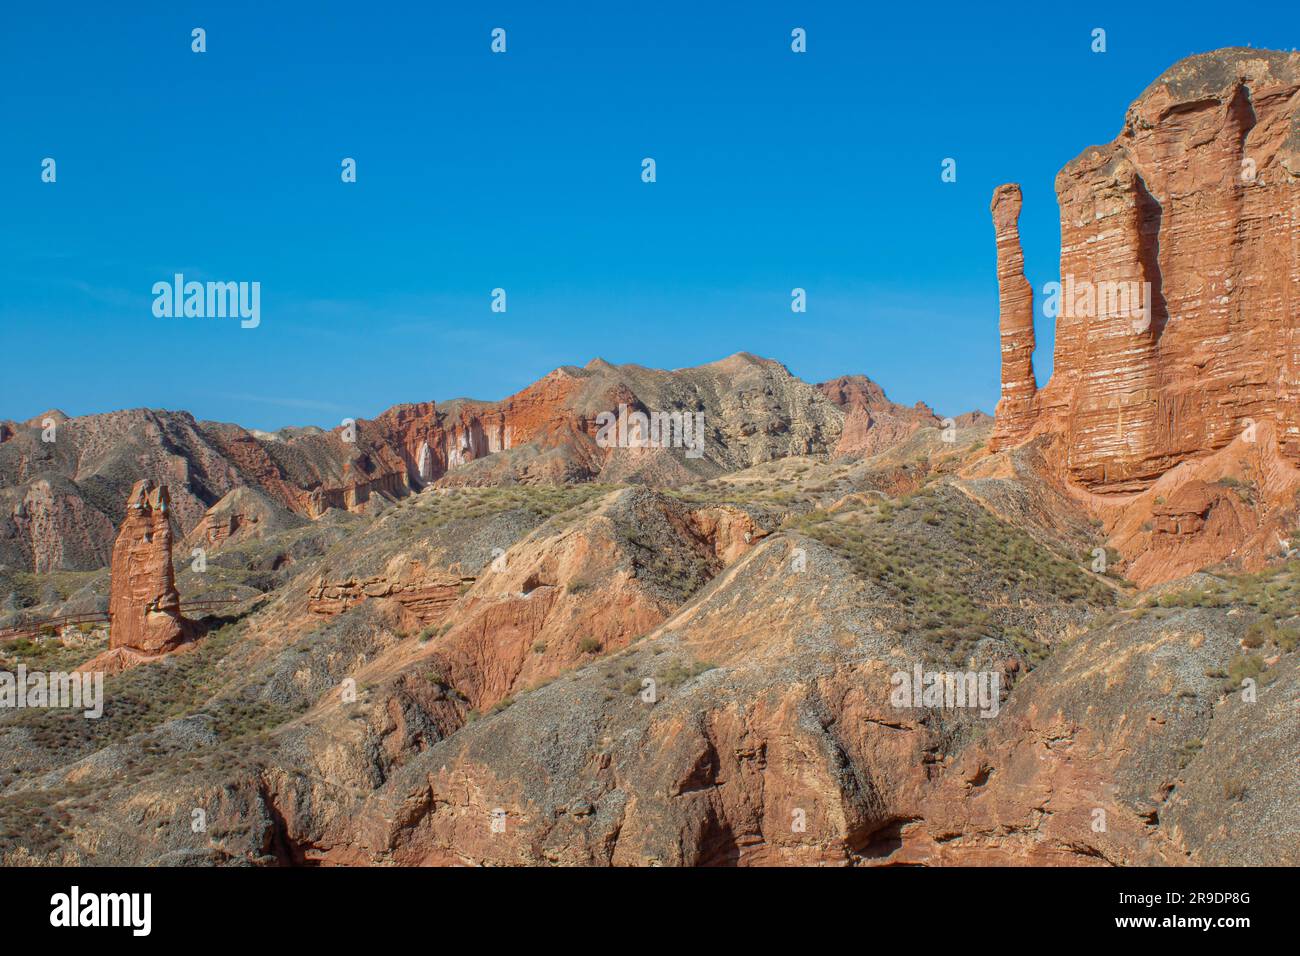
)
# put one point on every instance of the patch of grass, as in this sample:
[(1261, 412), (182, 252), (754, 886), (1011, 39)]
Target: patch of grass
[(956, 573), (473, 503), (1243, 666), (144, 697), (678, 673)]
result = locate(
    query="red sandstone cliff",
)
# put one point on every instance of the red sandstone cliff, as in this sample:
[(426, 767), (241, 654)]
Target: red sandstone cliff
[(1178, 316), (1195, 207)]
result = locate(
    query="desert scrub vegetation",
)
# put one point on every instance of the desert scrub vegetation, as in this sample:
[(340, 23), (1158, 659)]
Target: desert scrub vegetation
[(679, 672), (471, 503), (1274, 594), (754, 494), (144, 697), (24, 589), (430, 631), (1245, 490), (958, 573), (670, 563), (50, 653)]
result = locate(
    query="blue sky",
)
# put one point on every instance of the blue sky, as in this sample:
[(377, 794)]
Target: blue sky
[(522, 171)]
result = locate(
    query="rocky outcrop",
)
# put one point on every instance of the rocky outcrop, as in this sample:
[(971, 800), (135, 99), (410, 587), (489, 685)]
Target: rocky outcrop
[(752, 410), (1177, 319), (642, 681), (1179, 307), (428, 596), (144, 606), (873, 423), (1015, 411), (244, 514)]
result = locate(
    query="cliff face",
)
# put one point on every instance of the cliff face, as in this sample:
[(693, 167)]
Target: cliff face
[(1180, 274), (1177, 320)]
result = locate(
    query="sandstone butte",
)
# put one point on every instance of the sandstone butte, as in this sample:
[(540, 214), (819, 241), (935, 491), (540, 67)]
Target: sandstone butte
[(1157, 421)]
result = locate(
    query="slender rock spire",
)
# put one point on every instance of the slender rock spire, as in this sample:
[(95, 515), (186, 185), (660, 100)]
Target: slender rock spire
[(1016, 406)]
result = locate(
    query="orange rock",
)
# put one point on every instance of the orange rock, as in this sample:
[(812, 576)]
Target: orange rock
[(1016, 406), (1180, 275), (873, 423), (144, 606)]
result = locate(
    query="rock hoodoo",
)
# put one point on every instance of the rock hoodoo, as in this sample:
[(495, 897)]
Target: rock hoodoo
[(1015, 411), (144, 606)]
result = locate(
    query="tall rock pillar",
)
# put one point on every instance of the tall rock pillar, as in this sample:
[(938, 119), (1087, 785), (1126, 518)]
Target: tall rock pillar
[(144, 607), (1017, 404)]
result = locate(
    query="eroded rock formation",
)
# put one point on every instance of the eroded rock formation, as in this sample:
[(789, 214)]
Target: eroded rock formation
[(1015, 411), (58, 499), (873, 423), (1177, 319), (1179, 306), (427, 596), (144, 606)]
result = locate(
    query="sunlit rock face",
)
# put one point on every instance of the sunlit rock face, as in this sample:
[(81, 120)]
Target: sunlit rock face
[(1180, 279), (144, 605), (1015, 411)]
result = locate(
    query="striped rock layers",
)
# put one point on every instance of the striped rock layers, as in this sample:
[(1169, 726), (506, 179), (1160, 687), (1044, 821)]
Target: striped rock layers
[(1178, 312), (144, 606)]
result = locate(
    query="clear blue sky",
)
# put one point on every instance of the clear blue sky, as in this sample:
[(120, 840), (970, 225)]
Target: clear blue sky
[(522, 171)]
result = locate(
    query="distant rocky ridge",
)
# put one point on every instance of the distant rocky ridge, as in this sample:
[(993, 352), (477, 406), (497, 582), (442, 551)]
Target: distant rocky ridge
[(61, 501)]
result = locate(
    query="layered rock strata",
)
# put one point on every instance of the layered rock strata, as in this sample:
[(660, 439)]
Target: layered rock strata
[(144, 606)]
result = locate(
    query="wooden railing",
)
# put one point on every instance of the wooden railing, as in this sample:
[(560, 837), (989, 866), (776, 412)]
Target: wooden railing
[(33, 628)]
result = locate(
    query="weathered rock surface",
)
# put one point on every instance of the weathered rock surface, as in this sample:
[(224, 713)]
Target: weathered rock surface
[(516, 730), (1015, 412), (874, 423), (144, 606), (1179, 305), (1194, 207), (245, 513)]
